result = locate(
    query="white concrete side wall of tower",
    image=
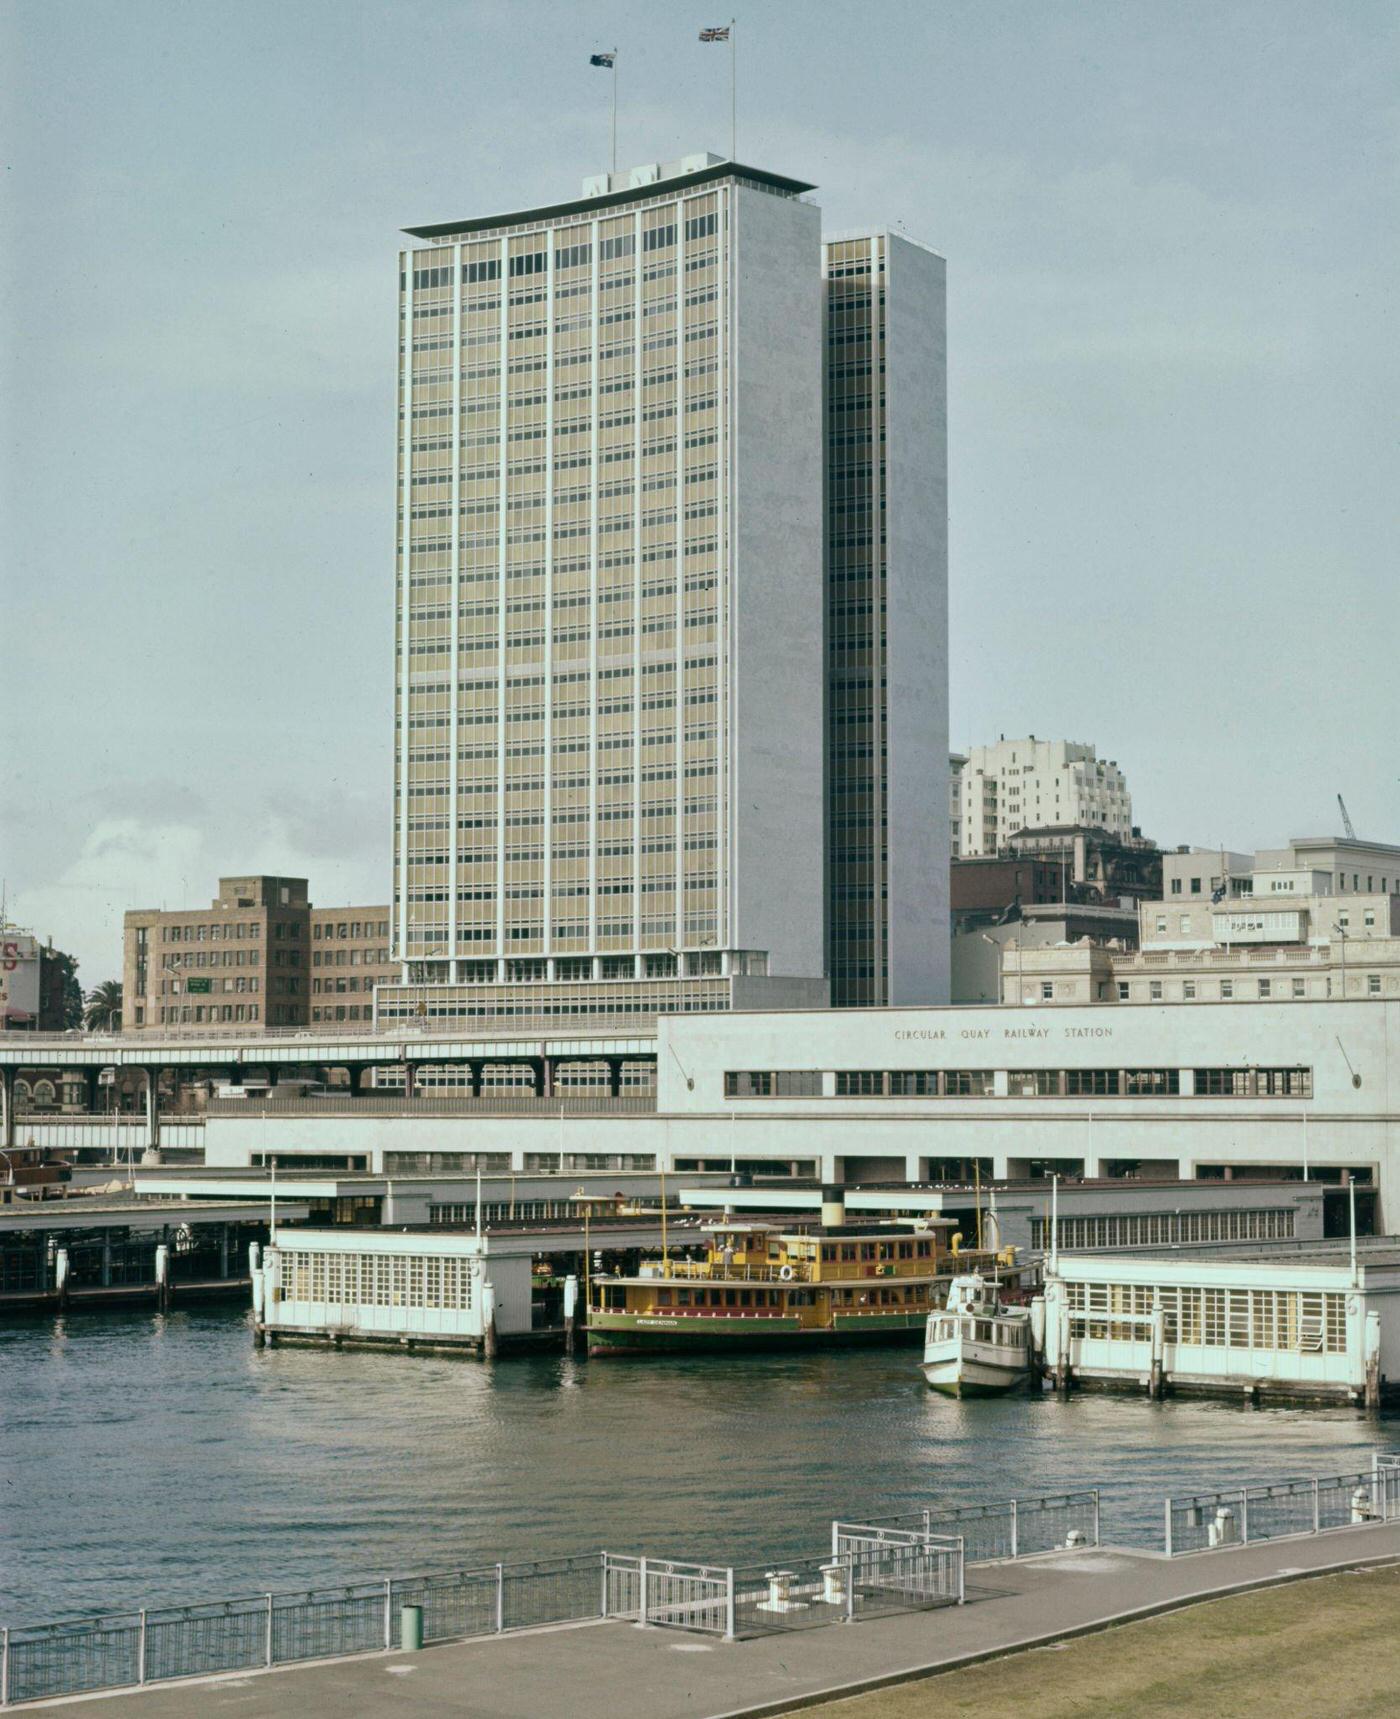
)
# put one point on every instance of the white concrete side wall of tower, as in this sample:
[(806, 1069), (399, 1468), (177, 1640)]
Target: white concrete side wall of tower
[(776, 626), (916, 586)]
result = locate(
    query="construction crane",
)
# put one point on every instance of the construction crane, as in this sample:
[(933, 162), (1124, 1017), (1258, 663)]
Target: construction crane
[(1346, 821)]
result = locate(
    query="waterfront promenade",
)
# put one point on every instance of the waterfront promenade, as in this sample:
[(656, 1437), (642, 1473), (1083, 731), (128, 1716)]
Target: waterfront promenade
[(598, 1670)]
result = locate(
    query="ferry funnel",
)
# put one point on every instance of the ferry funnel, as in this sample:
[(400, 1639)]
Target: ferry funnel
[(833, 1207)]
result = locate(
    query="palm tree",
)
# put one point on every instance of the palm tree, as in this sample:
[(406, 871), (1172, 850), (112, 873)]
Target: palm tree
[(104, 1006)]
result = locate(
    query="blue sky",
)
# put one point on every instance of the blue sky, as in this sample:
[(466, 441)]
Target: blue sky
[(1171, 234)]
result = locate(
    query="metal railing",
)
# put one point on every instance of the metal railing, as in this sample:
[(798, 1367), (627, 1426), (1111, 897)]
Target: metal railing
[(660, 1591), (1282, 1509), (409, 1031), (160, 1644), (1011, 1528), (436, 1104), (878, 1570), (875, 1576)]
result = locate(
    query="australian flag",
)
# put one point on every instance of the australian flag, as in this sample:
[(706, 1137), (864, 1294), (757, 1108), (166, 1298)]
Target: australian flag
[(602, 59)]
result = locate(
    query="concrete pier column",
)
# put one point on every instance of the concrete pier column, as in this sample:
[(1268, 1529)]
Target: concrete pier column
[(475, 1070), (1372, 1357), (60, 1275), (570, 1314), (488, 1320), (410, 1080), (7, 1101), (1155, 1376), (546, 1079), (163, 1276), (615, 1076), (152, 1110)]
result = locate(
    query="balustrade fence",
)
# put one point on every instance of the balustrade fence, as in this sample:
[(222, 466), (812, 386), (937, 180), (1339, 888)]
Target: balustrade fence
[(879, 1573), (1012, 1528), (1276, 1510)]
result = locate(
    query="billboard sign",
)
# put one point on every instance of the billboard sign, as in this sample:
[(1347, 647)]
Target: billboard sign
[(19, 978)]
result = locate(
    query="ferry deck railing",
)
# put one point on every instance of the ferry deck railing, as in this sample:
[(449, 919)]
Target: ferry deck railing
[(1283, 1509)]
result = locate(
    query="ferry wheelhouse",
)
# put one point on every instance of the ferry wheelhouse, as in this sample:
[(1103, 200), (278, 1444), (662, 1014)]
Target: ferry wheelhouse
[(761, 1285)]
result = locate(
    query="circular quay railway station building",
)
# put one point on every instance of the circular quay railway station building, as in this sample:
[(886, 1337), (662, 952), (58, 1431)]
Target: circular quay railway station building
[(1225, 1092)]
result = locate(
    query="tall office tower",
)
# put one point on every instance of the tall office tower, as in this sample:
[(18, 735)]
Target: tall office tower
[(887, 621), (608, 782)]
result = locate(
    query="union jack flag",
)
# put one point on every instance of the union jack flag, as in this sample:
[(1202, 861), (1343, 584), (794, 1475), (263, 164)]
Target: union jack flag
[(715, 34), (602, 59)]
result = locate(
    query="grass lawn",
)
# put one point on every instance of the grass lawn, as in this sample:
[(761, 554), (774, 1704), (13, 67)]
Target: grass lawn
[(1329, 1646)]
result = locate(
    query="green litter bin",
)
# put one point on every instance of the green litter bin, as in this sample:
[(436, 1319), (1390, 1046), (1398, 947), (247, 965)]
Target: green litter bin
[(411, 1628)]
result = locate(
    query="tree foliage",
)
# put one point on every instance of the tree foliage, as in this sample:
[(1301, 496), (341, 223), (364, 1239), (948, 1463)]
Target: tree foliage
[(104, 1006)]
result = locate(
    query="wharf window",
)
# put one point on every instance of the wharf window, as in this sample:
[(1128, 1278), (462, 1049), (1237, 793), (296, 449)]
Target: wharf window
[(1122, 990), (779, 1083), (1151, 1082), (1034, 1083), (748, 1085), (1188, 990), (859, 1083), (1091, 1082), (1227, 990), (1373, 984), (1253, 1082), (1047, 991), (968, 1082), (914, 1083), (1154, 990), (1266, 988)]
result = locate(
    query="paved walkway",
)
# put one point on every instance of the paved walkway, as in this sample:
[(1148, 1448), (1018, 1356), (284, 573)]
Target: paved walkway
[(603, 1670)]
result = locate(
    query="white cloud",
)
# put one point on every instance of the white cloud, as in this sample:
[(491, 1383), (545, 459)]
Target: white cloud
[(131, 862)]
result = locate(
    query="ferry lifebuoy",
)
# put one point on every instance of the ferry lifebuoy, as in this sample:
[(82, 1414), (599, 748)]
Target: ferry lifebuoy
[(786, 1274)]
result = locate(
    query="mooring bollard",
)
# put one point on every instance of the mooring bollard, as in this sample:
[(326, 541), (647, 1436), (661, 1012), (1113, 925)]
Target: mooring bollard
[(411, 1628)]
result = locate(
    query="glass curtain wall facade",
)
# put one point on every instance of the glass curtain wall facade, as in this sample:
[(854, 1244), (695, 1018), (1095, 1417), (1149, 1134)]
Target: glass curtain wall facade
[(887, 836), (564, 582)]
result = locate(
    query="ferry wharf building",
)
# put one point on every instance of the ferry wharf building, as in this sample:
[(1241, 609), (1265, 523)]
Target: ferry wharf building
[(671, 674)]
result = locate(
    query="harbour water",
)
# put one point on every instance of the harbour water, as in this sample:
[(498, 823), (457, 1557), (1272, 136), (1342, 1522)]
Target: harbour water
[(147, 1458)]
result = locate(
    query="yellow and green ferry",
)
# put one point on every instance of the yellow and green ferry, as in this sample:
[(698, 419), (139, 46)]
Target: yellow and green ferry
[(763, 1286)]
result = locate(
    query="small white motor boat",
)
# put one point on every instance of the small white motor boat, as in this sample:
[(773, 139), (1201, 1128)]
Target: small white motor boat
[(975, 1346)]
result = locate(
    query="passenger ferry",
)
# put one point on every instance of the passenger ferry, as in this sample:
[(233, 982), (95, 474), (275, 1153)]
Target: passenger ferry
[(763, 1286), (976, 1346)]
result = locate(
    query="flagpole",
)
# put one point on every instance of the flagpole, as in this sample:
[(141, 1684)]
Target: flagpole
[(733, 90), (614, 113)]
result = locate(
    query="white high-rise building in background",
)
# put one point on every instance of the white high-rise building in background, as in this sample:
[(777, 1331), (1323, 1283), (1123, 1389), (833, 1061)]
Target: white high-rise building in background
[(1036, 784), (609, 761), (671, 648)]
